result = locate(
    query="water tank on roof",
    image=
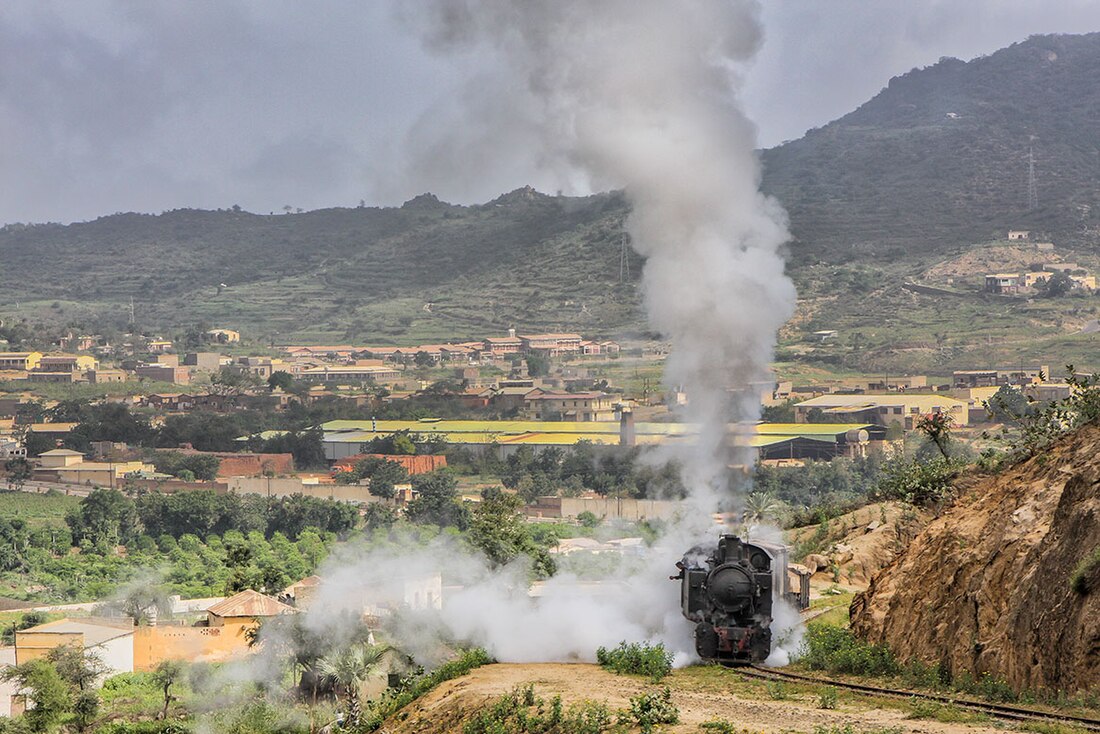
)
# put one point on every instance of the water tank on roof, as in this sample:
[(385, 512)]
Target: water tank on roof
[(857, 435)]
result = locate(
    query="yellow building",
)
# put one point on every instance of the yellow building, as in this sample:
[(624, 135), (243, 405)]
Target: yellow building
[(19, 360), (111, 640), (883, 410), (223, 637), (67, 363)]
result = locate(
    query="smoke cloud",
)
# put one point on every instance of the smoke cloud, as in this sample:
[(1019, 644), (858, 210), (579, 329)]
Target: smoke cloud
[(639, 95), (642, 95)]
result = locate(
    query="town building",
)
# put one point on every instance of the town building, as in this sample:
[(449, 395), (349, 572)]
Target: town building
[(109, 639), (551, 345), (1003, 283), (1018, 234), (23, 361), (963, 379), (203, 361), (582, 406), (352, 373), (223, 336), (884, 410), (159, 372)]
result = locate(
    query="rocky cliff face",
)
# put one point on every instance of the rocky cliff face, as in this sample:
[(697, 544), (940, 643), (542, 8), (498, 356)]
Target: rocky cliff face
[(986, 587)]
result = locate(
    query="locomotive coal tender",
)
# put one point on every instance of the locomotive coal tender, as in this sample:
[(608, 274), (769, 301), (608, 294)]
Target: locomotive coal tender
[(729, 591)]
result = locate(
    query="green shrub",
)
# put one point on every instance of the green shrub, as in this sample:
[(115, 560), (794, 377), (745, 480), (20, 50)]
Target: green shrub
[(776, 690), (717, 727), (634, 658), (417, 686), (827, 699), (521, 711), (144, 727), (839, 651), (649, 709), (1086, 575), (921, 483)]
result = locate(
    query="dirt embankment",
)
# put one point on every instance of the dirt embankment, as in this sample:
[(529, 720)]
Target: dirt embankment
[(701, 694), (986, 587)]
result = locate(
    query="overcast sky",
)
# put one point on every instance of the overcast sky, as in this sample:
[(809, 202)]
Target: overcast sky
[(145, 106)]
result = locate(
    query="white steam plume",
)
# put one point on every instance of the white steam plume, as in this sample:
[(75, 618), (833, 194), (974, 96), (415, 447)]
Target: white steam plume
[(637, 94), (642, 95)]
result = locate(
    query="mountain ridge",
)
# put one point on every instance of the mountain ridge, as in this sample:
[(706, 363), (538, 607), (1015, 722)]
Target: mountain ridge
[(934, 161)]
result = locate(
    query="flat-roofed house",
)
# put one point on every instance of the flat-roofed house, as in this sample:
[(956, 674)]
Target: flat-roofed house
[(883, 410), (67, 363), (24, 361), (551, 345), (1003, 283), (111, 640), (579, 406), (352, 373)]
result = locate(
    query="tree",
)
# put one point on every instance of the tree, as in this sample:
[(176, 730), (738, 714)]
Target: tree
[(1009, 404), (19, 471), (1057, 285), (37, 443), (46, 690), (166, 674), (78, 668), (104, 516), (347, 669), (141, 600), (281, 380), (937, 428), (423, 359), (537, 365), (382, 474), (498, 530), (437, 501)]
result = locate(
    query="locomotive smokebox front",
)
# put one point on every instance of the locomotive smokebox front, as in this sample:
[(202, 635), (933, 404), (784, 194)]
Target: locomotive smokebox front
[(728, 590)]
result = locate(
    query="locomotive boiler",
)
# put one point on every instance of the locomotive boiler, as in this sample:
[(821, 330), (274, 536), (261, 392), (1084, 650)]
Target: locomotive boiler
[(730, 591)]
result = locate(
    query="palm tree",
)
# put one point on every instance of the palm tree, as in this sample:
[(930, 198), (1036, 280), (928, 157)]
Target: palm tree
[(760, 506), (347, 669)]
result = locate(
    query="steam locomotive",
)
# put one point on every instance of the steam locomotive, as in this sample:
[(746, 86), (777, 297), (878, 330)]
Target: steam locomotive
[(729, 591)]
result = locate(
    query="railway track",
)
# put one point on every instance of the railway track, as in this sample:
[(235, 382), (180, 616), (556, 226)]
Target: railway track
[(999, 711)]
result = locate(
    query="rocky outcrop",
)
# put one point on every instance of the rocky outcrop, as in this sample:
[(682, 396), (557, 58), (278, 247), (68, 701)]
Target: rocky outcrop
[(985, 587)]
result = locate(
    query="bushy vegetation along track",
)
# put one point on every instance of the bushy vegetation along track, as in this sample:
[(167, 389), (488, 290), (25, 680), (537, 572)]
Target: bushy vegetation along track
[(999, 711)]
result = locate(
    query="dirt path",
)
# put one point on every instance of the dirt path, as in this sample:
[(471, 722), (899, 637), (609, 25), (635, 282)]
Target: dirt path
[(701, 694)]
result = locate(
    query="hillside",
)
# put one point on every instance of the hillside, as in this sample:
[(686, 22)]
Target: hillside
[(1003, 583), (940, 156), (935, 162), (426, 270)]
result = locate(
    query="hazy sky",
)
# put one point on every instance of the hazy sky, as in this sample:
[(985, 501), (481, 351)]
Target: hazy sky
[(110, 106)]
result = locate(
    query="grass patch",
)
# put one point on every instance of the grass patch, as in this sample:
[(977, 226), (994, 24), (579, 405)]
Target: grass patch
[(37, 510), (1044, 727), (652, 661), (922, 708)]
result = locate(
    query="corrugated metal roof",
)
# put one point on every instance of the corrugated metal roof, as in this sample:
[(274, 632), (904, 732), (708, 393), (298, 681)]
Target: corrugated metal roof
[(249, 603)]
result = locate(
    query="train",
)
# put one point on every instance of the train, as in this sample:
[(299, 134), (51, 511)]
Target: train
[(729, 590)]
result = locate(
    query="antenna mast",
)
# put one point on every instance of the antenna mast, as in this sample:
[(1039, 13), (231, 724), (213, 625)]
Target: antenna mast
[(624, 262), (1032, 187)]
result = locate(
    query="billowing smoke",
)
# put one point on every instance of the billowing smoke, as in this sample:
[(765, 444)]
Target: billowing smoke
[(639, 95), (642, 95)]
